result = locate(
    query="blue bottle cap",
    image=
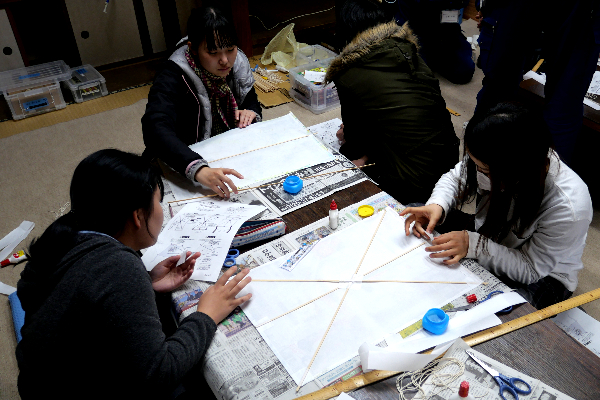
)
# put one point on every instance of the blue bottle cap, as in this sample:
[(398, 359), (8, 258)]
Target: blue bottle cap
[(436, 321), (292, 184)]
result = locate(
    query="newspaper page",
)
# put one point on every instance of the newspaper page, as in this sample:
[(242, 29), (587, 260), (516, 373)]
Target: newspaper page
[(326, 131), (238, 363), (315, 188), (482, 385)]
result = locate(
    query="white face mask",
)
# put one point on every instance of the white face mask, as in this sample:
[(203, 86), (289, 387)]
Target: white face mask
[(483, 181)]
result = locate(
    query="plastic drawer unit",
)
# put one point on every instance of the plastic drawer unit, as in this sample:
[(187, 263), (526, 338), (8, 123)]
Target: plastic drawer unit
[(318, 98), (34, 90), (86, 84)]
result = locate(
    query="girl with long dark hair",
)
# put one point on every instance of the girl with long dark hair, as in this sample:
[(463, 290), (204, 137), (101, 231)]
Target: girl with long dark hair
[(205, 88), (92, 327), (533, 211)]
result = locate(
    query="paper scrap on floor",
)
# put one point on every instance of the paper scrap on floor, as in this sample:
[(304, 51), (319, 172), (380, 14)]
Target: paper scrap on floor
[(581, 327), (293, 147), (16, 236), (368, 313), (207, 227)]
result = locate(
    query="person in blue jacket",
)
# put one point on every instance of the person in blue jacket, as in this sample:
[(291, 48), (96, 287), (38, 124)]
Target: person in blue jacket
[(443, 46)]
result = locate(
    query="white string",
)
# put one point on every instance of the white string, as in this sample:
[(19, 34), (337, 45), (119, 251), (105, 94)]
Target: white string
[(299, 16), (61, 210), (440, 381)]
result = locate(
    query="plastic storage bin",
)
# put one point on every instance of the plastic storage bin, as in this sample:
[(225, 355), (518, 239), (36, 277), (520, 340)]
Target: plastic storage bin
[(313, 53), (86, 84), (34, 90), (317, 98)]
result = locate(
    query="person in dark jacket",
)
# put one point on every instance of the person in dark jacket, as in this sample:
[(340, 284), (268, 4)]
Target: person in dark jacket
[(442, 45), (92, 329), (393, 111), (205, 88)]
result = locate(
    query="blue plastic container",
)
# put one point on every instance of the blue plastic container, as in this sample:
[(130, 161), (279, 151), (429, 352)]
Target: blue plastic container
[(436, 321), (292, 184)]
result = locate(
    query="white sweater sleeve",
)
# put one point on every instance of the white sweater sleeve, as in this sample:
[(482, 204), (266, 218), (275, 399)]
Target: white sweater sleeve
[(446, 190), (555, 241)]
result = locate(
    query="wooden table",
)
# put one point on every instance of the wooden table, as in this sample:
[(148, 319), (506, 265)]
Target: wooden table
[(542, 350)]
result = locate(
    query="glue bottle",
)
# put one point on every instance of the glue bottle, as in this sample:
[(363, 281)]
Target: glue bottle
[(463, 392), (15, 258), (333, 215)]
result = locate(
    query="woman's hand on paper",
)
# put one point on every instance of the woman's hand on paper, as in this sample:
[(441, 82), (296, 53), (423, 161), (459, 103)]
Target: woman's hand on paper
[(216, 179), (244, 117), (427, 215), (167, 275), (453, 245), (218, 301)]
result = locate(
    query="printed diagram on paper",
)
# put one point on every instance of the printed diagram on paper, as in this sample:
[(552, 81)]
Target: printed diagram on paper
[(207, 227), (581, 327), (326, 131), (482, 384)]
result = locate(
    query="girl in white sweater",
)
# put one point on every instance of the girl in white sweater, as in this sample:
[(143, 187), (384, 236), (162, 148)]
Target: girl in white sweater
[(533, 211)]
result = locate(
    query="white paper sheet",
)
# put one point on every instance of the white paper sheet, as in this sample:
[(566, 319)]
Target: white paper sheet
[(539, 77), (373, 357), (367, 314), (266, 163), (208, 227), (16, 236), (478, 318), (7, 289)]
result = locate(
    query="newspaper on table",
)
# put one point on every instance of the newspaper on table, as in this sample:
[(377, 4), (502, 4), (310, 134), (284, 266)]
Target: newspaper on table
[(326, 131), (482, 385), (239, 364)]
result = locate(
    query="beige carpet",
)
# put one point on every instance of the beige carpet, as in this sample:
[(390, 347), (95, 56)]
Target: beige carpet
[(37, 166)]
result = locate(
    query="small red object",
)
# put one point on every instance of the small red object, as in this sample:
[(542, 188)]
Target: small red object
[(463, 391), (333, 205), (471, 299)]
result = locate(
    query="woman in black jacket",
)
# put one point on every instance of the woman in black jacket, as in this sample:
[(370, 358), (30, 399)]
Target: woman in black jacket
[(205, 88), (92, 327)]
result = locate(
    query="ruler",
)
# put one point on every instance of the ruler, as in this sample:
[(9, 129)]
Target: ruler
[(374, 376)]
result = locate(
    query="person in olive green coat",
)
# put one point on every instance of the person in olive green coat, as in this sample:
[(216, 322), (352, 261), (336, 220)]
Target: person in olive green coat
[(393, 111)]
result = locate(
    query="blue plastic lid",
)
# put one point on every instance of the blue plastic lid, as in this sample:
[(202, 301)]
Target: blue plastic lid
[(292, 184), (436, 321)]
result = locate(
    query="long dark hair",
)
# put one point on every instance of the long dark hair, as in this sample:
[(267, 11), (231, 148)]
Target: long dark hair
[(356, 16), (515, 144), (213, 25), (106, 188)]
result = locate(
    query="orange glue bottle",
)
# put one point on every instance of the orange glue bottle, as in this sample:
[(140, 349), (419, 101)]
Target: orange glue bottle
[(463, 392)]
